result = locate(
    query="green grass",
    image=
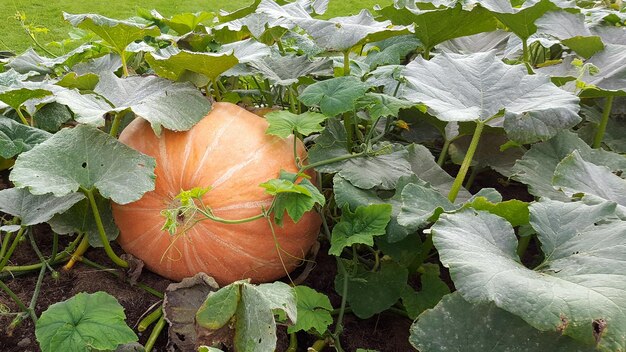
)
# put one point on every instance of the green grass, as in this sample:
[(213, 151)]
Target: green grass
[(48, 14)]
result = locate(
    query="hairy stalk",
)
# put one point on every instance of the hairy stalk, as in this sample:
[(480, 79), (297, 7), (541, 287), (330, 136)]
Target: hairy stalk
[(293, 343), (444, 153), (344, 297), (318, 345), (103, 237), (606, 113), (156, 331), (150, 319), (11, 249), (114, 272), (346, 63), (78, 253), (17, 300), (467, 161), (5, 243), (522, 245), (23, 118), (348, 123), (124, 64), (117, 120), (46, 263), (216, 91), (472, 177), (330, 161), (292, 100), (526, 56)]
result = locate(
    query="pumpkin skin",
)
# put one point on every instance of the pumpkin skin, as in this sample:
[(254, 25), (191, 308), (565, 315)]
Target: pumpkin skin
[(229, 152)]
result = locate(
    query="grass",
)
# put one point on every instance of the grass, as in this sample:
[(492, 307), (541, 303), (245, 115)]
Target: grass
[(48, 14)]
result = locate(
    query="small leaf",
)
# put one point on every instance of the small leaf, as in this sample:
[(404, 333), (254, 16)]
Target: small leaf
[(514, 211), (370, 292), (420, 203), (95, 320), (62, 165), (284, 123), (218, 308), (295, 199), (313, 311), (334, 96), (359, 227), (383, 105), (432, 290), (32, 209), (16, 138)]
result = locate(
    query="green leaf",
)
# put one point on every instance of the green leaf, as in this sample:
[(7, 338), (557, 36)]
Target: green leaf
[(16, 138), (31, 61), (72, 80), (370, 292), (32, 209), (611, 78), (172, 63), (286, 70), (80, 219), (218, 308), (61, 165), (359, 227), (334, 96), (514, 211), (433, 26), (93, 321), (574, 175), (15, 90), (118, 34), (432, 290), (187, 22), (284, 123), (295, 199), (175, 106), (255, 324), (458, 326), (420, 203), (477, 87), (52, 116), (382, 105), (481, 42), (313, 311), (537, 166), (571, 30), (390, 51), (578, 290), (519, 19)]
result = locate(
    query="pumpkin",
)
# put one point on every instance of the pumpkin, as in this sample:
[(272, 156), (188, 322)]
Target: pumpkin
[(228, 152)]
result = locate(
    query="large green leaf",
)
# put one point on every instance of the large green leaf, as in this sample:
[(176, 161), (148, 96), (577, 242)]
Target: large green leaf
[(31, 61), (118, 34), (52, 116), (172, 63), (15, 90), (286, 70), (390, 51), (334, 96), (85, 321), (371, 292), (571, 30), (16, 138), (481, 42), (32, 209), (313, 311), (476, 87), (80, 219), (458, 326), (574, 175), (579, 289), (432, 26), (62, 164), (359, 227), (537, 166)]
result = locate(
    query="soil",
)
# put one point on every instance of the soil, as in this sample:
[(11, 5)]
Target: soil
[(383, 332)]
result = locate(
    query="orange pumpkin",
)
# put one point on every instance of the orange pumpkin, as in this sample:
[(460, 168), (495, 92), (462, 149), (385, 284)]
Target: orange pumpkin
[(229, 152)]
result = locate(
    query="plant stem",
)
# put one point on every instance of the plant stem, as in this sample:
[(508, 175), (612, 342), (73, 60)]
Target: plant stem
[(235, 221), (318, 346), (344, 297), (467, 161), (103, 237), (526, 56), (78, 253), (22, 117), (155, 334), (38, 252), (24, 268), (216, 91), (149, 319), (117, 120), (606, 113), (427, 246), (426, 54), (348, 124), (33, 299), (13, 296), (293, 343), (346, 63), (330, 161), (124, 64), (5, 244), (292, 100), (522, 245), (444, 153), (8, 254), (472, 176), (144, 287)]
